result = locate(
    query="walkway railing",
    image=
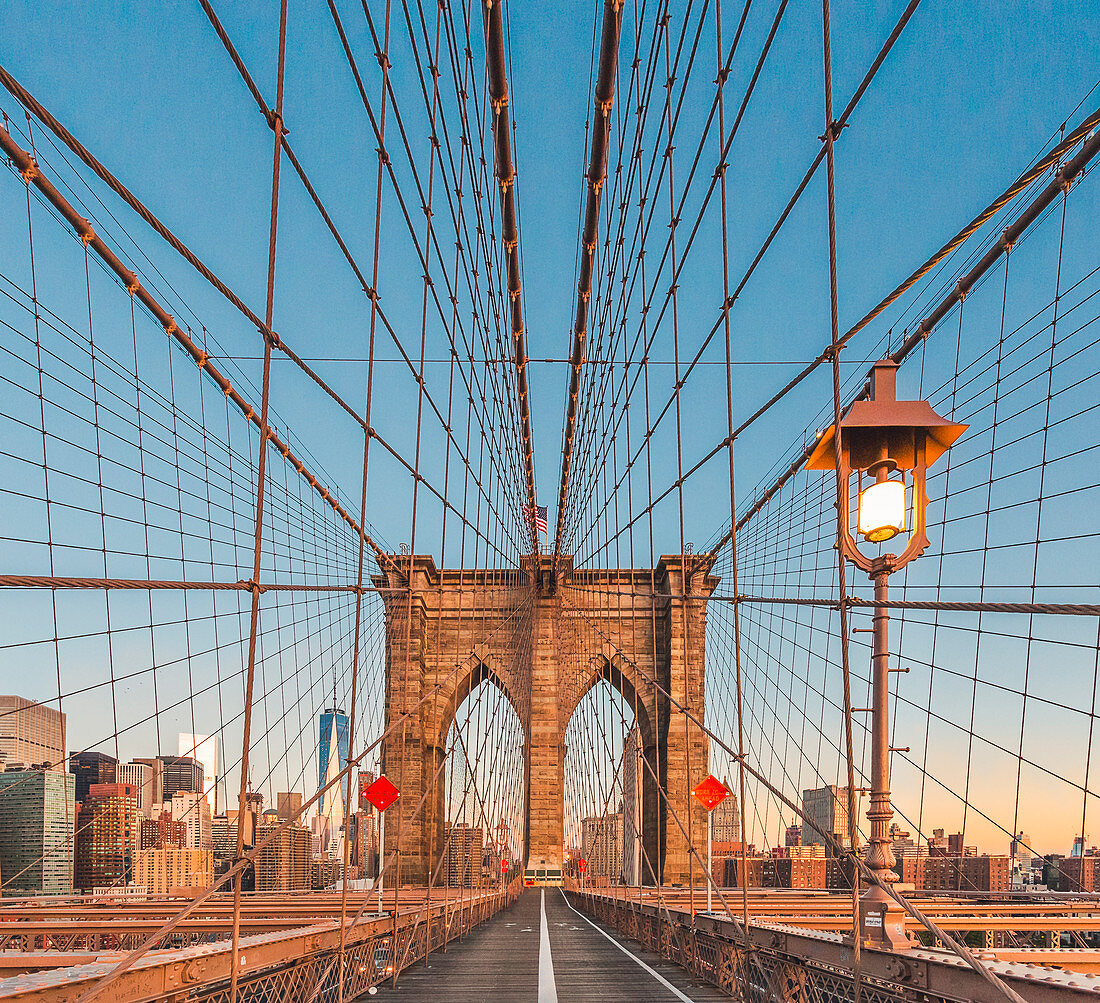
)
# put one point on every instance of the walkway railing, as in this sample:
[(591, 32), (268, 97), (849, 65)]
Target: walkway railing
[(299, 964), (802, 966)]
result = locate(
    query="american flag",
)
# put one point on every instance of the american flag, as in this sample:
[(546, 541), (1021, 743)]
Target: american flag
[(540, 516)]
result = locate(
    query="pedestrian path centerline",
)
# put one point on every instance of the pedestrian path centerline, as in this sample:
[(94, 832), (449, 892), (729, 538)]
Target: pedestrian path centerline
[(548, 990)]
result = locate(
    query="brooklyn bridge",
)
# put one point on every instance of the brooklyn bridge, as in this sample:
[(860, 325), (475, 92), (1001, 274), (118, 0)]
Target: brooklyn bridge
[(771, 673)]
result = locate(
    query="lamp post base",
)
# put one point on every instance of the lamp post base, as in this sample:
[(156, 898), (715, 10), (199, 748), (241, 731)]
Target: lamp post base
[(882, 921)]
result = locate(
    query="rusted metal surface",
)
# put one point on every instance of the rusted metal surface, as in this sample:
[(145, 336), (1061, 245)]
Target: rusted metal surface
[(277, 965)]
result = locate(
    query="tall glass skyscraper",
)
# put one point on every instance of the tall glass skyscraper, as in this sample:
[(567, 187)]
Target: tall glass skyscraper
[(37, 817), (333, 725)]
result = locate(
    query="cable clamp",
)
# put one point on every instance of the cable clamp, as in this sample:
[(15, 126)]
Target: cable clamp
[(201, 360), (273, 119), (833, 131)]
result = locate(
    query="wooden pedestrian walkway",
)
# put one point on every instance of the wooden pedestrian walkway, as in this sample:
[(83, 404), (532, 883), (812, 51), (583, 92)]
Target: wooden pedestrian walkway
[(541, 950)]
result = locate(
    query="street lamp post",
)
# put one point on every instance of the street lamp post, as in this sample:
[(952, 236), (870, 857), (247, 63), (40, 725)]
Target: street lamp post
[(885, 440)]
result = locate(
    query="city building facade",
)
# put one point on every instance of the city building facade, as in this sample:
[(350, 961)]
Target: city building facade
[(193, 810), (181, 773), (465, 844), (156, 768), (363, 833), (284, 864), (332, 751), (171, 869), (223, 837), (108, 835), (290, 805), (725, 820), (162, 831), (31, 734), (825, 813), (141, 776), (204, 750), (633, 764), (602, 845), (37, 822), (92, 768)]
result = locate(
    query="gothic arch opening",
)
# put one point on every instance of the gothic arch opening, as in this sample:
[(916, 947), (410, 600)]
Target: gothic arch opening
[(479, 824), (610, 777)]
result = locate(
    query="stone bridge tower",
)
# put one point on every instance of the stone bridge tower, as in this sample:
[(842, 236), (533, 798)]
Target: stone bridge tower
[(545, 636)]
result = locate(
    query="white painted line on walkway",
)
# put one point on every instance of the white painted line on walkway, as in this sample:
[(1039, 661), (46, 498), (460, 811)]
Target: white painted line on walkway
[(657, 975), (548, 990)]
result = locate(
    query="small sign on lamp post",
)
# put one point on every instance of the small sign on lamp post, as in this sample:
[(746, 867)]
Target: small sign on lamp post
[(710, 793), (381, 794)]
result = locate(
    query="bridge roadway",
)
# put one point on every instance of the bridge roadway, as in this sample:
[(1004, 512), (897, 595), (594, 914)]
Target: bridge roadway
[(541, 950)]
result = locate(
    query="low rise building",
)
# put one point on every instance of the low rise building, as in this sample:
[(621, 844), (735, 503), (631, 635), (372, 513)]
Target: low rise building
[(794, 872), (936, 872)]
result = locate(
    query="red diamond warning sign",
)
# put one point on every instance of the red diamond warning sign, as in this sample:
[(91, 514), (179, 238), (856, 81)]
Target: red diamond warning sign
[(382, 794), (711, 792)]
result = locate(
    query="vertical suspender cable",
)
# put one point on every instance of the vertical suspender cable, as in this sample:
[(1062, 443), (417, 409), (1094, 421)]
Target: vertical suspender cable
[(506, 177), (597, 172), (261, 473), (721, 82), (841, 484)]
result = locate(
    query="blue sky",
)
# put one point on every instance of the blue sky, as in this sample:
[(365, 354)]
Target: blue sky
[(966, 99)]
